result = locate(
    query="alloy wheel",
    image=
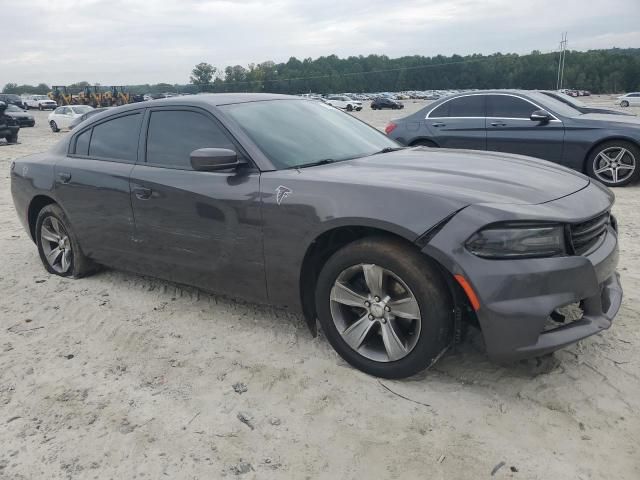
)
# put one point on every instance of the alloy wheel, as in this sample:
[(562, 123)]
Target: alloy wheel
[(375, 312), (614, 165), (56, 245)]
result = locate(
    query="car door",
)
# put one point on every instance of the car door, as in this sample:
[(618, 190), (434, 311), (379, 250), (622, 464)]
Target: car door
[(92, 186), (634, 99), (197, 227), (458, 123), (64, 117), (510, 129)]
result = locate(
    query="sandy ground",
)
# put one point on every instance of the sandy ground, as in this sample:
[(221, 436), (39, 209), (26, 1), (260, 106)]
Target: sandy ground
[(122, 376)]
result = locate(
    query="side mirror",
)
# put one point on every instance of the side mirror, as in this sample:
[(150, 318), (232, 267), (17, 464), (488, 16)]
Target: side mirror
[(212, 159), (541, 116)]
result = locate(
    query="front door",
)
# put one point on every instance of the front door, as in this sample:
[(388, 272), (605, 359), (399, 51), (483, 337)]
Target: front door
[(195, 227), (510, 129)]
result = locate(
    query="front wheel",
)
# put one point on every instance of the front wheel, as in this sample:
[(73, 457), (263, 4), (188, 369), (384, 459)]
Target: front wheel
[(614, 163), (54, 126), (349, 108), (384, 307), (57, 245), (12, 138)]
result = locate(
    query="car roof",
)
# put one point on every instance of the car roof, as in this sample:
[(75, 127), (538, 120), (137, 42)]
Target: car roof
[(211, 99)]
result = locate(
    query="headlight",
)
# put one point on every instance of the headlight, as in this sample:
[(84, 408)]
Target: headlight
[(518, 241)]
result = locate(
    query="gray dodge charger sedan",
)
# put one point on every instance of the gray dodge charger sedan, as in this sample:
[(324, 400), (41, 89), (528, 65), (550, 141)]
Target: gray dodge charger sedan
[(291, 202), (602, 145)]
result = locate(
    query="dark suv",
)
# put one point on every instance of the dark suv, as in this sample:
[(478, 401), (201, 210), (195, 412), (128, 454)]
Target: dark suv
[(9, 127), (13, 99), (383, 102)]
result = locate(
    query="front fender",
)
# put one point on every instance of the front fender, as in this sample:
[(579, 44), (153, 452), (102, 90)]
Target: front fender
[(313, 207)]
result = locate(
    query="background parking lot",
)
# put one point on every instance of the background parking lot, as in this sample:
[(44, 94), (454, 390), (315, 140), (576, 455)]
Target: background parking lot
[(119, 375)]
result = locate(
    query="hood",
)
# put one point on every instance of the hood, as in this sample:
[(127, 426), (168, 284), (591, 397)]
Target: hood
[(465, 176), (626, 120)]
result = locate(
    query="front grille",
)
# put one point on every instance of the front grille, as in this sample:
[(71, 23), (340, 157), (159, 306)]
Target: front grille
[(583, 236)]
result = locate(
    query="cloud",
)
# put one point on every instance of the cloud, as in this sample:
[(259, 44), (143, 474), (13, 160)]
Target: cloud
[(149, 41)]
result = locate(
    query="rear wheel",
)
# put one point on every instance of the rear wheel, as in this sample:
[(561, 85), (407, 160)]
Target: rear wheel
[(424, 143), (384, 307), (54, 126), (12, 138), (614, 163), (40, 107), (57, 245), (624, 103), (349, 108)]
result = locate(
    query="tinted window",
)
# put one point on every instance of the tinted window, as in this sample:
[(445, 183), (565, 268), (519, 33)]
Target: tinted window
[(82, 143), (471, 106), (509, 107), (116, 139), (173, 135), (441, 111)]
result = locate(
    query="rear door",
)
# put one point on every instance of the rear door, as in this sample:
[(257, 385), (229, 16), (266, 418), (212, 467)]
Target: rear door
[(510, 129), (92, 185), (195, 227), (459, 123)]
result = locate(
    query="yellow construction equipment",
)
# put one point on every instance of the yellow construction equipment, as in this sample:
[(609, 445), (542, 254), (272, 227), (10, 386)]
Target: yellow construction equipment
[(61, 95)]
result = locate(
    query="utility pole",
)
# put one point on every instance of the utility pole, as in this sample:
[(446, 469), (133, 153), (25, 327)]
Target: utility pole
[(563, 49)]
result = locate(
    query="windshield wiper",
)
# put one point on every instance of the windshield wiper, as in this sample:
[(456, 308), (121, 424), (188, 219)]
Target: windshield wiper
[(324, 161), (388, 150)]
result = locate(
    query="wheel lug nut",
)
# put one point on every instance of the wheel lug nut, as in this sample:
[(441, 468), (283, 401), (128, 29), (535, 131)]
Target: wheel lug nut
[(367, 304), (387, 308), (371, 317), (383, 320), (377, 299)]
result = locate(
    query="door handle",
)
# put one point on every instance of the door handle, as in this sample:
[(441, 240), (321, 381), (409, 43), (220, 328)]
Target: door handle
[(143, 193), (438, 124), (498, 124), (64, 177)]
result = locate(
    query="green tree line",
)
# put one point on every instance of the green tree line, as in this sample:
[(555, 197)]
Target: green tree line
[(600, 71)]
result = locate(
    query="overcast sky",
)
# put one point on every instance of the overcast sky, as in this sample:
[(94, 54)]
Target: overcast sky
[(114, 42)]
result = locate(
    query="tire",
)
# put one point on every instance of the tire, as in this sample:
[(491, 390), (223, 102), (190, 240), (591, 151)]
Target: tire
[(12, 138), (605, 165), (40, 107), (624, 103), (349, 108), (54, 126), (424, 143), (54, 222), (408, 274)]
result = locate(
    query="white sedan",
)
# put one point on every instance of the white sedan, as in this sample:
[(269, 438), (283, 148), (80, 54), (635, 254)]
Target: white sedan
[(62, 117), (630, 99), (343, 102)]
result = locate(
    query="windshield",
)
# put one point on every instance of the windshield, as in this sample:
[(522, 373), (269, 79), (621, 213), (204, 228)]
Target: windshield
[(563, 97), (555, 105), (293, 133), (81, 109)]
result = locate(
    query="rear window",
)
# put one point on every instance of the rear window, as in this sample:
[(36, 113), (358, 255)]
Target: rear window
[(82, 143), (469, 106), (116, 139)]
